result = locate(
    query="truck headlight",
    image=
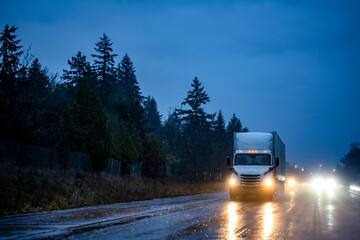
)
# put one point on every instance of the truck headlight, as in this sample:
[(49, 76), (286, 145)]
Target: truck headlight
[(232, 181), (269, 182)]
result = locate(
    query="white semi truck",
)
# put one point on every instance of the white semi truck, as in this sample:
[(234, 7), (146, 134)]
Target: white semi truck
[(257, 165)]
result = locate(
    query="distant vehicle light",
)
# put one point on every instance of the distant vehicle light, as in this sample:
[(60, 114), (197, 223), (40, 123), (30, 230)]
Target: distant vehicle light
[(292, 182), (320, 184), (232, 182), (268, 182), (355, 188)]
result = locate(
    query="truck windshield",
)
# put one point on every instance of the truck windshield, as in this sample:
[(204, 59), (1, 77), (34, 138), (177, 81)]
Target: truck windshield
[(252, 159)]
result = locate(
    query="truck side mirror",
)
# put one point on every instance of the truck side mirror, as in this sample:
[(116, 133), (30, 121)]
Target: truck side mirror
[(229, 162), (277, 163)]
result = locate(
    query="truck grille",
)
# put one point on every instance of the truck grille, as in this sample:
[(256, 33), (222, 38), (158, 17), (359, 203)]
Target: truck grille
[(250, 180)]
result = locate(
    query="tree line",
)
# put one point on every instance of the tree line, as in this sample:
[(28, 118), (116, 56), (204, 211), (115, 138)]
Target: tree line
[(349, 167), (98, 108)]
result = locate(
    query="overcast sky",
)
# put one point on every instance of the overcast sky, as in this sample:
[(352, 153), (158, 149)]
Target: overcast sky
[(293, 68)]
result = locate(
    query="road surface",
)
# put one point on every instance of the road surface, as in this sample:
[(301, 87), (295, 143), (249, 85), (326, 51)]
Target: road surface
[(302, 214)]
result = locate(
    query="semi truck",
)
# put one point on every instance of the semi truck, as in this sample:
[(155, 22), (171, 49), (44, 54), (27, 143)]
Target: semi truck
[(257, 165)]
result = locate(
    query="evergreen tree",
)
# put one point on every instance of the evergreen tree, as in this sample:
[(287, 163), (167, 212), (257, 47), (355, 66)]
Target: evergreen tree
[(234, 125), (9, 95), (128, 100), (10, 52), (128, 107), (351, 163), (219, 144), (79, 66), (36, 89), (197, 132), (128, 81), (104, 60), (195, 117), (219, 128), (172, 137), (85, 124), (123, 147), (104, 67), (154, 158), (152, 116)]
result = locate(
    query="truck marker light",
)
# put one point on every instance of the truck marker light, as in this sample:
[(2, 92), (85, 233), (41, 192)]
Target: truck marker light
[(265, 151)]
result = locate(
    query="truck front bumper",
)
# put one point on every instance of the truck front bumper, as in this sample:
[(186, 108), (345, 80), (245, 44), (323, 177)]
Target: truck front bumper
[(253, 190)]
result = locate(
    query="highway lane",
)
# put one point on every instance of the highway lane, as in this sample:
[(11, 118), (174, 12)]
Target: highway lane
[(301, 214)]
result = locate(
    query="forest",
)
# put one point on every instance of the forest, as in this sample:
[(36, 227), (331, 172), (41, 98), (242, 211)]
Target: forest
[(96, 107)]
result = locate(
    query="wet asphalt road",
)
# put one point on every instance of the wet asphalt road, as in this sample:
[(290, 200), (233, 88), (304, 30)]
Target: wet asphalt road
[(301, 214)]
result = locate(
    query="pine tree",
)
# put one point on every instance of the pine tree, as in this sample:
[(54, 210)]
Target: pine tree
[(152, 116), (172, 137), (79, 66), (128, 100), (10, 53), (154, 158), (219, 144), (219, 128), (351, 163), (197, 132), (195, 117), (123, 147), (104, 60), (233, 126), (38, 77), (36, 89), (128, 81), (9, 93), (104, 67), (85, 124)]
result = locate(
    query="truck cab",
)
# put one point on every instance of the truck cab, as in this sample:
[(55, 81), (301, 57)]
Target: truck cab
[(257, 165)]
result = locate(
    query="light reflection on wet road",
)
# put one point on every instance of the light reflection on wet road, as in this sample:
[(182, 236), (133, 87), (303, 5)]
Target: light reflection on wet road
[(300, 214), (232, 220)]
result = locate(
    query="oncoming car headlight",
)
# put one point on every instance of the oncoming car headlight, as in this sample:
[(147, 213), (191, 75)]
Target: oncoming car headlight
[(232, 181), (269, 182), (320, 184)]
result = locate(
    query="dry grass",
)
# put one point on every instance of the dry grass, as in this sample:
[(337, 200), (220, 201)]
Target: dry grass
[(26, 192)]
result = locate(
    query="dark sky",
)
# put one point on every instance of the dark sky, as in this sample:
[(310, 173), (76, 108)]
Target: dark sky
[(289, 67)]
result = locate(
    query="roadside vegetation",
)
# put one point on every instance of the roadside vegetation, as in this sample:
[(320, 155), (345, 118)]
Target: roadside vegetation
[(349, 167), (24, 192)]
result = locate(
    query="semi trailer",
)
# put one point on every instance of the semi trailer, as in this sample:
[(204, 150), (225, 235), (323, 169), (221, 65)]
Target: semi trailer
[(257, 165)]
